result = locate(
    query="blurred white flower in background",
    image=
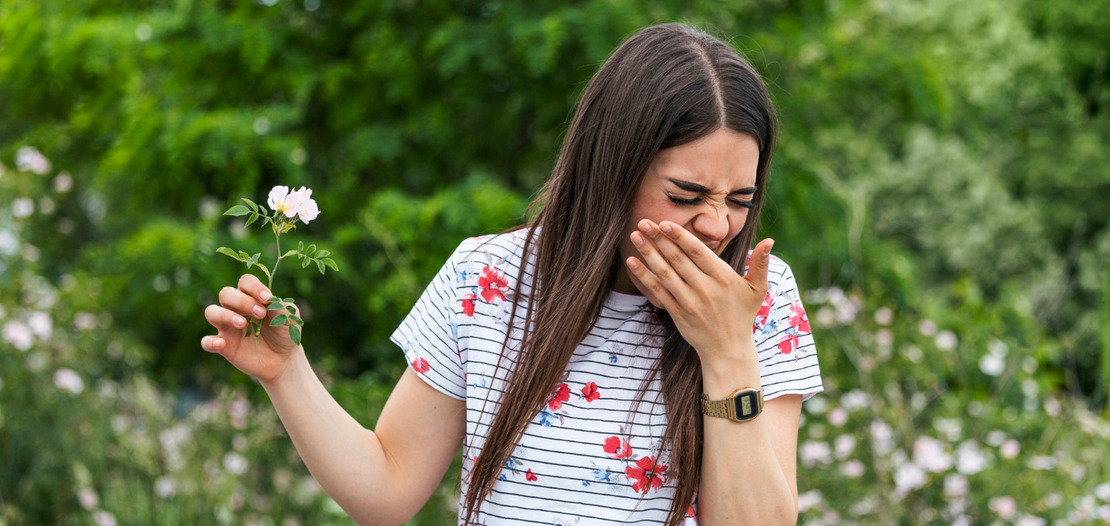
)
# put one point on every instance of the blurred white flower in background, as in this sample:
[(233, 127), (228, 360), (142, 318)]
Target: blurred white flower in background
[(813, 452), (927, 327), (931, 455), (882, 437), (165, 487), (235, 463), (809, 500), (23, 207), (68, 380), (103, 518), (969, 458), (88, 499), (1004, 506), (852, 469), (844, 445), (884, 316), (30, 159), (946, 340), (907, 478), (956, 485), (63, 182), (838, 417), (18, 335), (1009, 449), (40, 323)]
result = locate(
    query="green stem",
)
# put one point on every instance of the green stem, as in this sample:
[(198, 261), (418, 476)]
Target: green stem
[(277, 241)]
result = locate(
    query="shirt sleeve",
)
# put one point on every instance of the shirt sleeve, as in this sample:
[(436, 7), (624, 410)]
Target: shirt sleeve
[(783, 339), (429, 334)]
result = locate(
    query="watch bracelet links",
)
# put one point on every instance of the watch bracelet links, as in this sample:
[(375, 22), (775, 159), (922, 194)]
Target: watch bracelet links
[(727, 408)]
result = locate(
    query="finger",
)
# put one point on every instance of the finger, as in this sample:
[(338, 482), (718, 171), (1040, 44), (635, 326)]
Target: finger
[(674, 254), (759, 263), (650, 285), (695, 250), (239, 301), (213, 344), (253, 287), (225, 320)]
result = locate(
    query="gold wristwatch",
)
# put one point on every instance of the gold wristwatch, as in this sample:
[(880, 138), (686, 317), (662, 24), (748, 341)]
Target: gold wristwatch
[(741, 406)]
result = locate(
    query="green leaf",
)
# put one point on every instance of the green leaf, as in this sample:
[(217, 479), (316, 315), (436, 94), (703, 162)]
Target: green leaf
[(243, 256), (254, 217), (250, 204), (287, 254), (305, 262), (300, 246), (295, 334), (331, 263), (323, 254), (274, 306), (291, 309), (320, 265), (297, 320), (274, 299), (265, 269), (280, 319), (253, 259), (228, 252), (311, 250), (237, 210), (288, 300)]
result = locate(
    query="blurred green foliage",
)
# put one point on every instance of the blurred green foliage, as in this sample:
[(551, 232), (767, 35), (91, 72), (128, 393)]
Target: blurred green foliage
[(942, 162)]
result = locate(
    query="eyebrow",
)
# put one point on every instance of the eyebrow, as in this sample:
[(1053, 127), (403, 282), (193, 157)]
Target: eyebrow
[(690, 186)]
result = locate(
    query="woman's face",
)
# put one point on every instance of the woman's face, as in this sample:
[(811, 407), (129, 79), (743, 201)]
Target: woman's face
[(705, 186)]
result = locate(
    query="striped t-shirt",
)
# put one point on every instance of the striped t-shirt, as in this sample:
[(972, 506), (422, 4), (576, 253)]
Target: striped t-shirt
[(587, 457)]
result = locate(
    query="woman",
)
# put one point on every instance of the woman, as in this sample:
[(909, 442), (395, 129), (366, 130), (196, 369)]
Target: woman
[(604, 363)]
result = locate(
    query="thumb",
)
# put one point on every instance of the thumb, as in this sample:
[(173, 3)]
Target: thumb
[(758, 263)]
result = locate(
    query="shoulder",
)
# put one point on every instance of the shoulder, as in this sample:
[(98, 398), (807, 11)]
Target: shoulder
[(491, 249), (780, 278)]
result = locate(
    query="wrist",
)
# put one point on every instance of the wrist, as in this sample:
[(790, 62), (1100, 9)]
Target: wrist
[(293, 368), (729, 371)]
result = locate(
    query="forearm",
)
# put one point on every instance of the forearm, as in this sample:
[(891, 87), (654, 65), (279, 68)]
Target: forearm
[(742, 480), (343, 456)]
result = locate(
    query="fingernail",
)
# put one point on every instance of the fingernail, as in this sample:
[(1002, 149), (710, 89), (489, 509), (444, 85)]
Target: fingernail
[(645, 225), (666, 228), (239, 321), (258, 311), (265, 295), (637, 239), (770, 246)]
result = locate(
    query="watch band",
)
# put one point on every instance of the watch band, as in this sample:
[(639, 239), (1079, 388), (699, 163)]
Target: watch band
[(741, 406)]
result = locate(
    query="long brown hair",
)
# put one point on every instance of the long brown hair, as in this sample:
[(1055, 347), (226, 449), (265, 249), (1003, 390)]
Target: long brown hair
[(665, 86)]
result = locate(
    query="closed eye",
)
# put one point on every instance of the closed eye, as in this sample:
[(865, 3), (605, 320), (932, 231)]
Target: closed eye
[(698, 200)]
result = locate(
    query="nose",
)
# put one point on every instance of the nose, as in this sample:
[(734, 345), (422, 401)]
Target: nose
[(712, 223)]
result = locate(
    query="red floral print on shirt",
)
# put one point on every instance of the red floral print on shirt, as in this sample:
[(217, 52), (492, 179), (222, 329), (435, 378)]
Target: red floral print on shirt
[(561, 394), (468, 304), (764, 311), (589, 392), (420, 365), (617, 448), (646, 475), (799, 320), (493, 284), (531, 477)]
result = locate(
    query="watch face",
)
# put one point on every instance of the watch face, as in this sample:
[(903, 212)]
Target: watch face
[(747, 405)]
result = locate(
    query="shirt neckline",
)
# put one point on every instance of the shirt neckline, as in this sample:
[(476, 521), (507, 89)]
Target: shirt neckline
[(621, 302)]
